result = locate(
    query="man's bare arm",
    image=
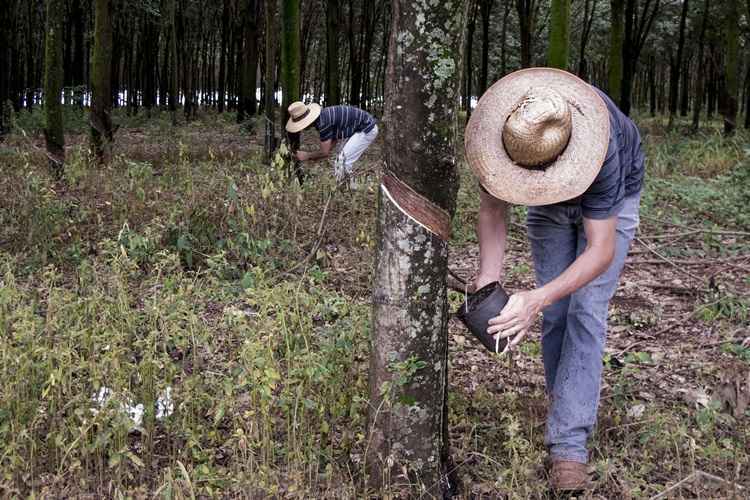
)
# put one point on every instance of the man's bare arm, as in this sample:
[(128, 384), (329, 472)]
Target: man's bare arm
[(523, 307), (324, 152)]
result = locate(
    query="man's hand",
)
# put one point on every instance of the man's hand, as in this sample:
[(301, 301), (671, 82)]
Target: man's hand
[(302, 155), (517, 317)]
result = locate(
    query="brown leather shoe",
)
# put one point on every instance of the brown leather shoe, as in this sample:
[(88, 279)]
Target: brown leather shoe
[(568, 476)]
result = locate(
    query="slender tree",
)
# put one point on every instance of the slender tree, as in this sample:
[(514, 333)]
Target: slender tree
[(270, 74), (225, 13), (527, 13), (408, 363), (699, 91), (559, 34), (53, 84), (290, 68), (731, 61), (333, 92), (468, 51), (100, 116), (6, 57), (249, 61), (485, 7), (676, 67), (589, 13), (616, 31), (637, 29)]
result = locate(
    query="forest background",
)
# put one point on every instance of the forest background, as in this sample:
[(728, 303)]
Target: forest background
[(180, 316)]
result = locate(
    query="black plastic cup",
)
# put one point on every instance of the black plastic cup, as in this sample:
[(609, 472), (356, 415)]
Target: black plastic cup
[(477, 310)]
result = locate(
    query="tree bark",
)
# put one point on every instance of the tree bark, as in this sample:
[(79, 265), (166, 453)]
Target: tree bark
[(526, 10), (290, 68), (469, 50), (614, 76), (485, 7), (249, 61), (408, 364), (504, 40), (53, 84), (676, 67), (731, 51), (101, 84), (269, 13), (637, 29), (559, 34), (333, 91), (589, 12)]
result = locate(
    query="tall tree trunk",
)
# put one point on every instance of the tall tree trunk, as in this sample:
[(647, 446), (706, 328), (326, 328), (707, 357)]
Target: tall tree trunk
[(78, 78), (589, 11), (53, 84), (504, 40), (637, 29), (700, 87), (526, 10), (249, 61), (269, 12), (6, 61), (333, 91), (469, 50), (685, 86), (616, 30), (652, 85), (676, 67), (223, 56), (731, 50), (172, 27), (485, 6), (408, 363), (101, 84), (559, 34)]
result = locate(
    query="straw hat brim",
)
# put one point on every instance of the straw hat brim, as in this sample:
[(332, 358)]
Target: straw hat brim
[(294, 127), (565, 178)]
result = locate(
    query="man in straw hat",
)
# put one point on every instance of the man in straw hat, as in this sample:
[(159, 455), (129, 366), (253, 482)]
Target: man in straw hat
[(356, 128), (544, 138)]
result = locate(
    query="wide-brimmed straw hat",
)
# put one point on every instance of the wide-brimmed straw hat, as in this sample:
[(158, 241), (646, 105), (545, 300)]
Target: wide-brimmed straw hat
[(538, 136), (301, 116)]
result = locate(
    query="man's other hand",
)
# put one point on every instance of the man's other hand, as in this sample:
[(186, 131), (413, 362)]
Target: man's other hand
[(301, 155)]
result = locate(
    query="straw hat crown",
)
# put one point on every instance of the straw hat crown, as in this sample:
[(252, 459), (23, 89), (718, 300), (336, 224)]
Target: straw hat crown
[(538, 130)]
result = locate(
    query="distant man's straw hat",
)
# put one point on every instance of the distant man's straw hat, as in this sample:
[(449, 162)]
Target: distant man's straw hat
[(538, 136), (300, 116)]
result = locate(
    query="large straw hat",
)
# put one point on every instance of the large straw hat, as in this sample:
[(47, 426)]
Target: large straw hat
[(538, 136), (300, 116)]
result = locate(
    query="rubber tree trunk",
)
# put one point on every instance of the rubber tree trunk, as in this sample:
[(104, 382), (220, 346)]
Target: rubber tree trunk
[(676, 67), (270, 75), (614, 72), (700, 81), (469, 50), (5, 62), (589, 11), (408, 363), (172, 27), (290, 69), (223, 56), (101, 83), (526, 10), (333, 90), (731, 48), (249, 62), (559, 34), (485, 6), (53, 84)]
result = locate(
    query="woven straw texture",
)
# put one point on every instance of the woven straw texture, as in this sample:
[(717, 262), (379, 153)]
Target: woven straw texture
[(565, 178)]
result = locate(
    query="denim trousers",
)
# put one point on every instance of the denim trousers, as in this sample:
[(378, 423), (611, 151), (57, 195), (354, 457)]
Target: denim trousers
[(574, 329)]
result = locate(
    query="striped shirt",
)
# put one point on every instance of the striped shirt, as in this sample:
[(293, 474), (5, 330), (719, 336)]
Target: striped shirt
[(342, 122)]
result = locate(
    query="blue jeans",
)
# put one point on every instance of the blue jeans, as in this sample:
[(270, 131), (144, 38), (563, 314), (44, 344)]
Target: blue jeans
[(574, 329)]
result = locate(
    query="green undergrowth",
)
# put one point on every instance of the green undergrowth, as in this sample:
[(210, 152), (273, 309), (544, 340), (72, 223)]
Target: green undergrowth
[(235, 385), (184, 281)]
